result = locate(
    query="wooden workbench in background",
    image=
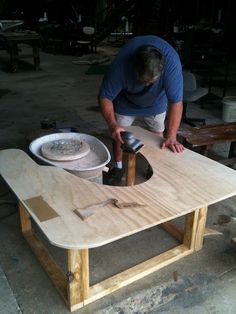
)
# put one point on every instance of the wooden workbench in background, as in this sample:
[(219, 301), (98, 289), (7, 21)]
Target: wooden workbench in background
[(205, 137), (182, 185), (11, 40)]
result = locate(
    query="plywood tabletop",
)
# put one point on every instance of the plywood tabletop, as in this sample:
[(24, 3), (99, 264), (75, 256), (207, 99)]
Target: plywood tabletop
[(180, 184)]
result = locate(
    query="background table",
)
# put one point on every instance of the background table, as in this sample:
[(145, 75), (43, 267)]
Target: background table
[(10, 41)]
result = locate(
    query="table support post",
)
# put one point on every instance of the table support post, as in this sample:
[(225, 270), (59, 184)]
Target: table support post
[(13, 50), (50, 266), (78, 276), (35, 47), (195, 223), (25, 221), (200, 230), (131, 169)]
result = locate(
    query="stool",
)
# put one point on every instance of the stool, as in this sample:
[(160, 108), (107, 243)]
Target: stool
[(206, 136)]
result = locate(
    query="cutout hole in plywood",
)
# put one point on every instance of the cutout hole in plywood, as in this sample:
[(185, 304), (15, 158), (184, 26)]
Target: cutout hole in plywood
[(143, 171)]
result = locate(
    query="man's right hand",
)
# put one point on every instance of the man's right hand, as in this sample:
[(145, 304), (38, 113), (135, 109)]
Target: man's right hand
[(116, 133), (109, 116)]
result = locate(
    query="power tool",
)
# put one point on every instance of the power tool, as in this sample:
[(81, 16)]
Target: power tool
[(131, 144)]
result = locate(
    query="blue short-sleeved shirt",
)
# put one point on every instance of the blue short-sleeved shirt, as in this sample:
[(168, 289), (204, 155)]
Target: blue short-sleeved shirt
[(131, 97)]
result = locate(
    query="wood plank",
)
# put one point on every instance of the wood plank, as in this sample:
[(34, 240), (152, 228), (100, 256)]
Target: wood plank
[(201, 223), (24, 219), (178, 233), (172, 229), (191, 225), (182, 184), (131, 169), (211, 232), (78, 267), (135, 273), (52, 269), (211, 134)]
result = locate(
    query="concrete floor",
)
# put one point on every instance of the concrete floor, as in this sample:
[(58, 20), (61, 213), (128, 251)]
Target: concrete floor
[(203, 282)]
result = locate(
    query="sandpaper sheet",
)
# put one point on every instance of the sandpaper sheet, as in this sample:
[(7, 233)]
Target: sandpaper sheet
[(40, 208)]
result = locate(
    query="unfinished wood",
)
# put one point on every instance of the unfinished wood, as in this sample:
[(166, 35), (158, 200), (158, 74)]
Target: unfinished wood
[(210, 134), (78, 268), (181, 183), (131, 169), (134, 273), (191, 225), (211, 232), (86, 212), (206, 136), (172, 229), (178, 233), (52, 269), (24, 219), (200, 229)]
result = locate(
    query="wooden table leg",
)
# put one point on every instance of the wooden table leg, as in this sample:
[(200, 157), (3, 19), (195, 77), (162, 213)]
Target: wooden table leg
[(24, 220), (36, 57), (200, 229), (195, 228), (13, 50), (78, 275), (50, 266), (131, 169)]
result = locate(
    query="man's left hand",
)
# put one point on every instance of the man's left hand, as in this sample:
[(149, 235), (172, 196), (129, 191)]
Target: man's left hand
[(173, 145)]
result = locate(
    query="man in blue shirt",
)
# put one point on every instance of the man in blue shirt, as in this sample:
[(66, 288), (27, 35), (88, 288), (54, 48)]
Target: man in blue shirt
[(144, 80)]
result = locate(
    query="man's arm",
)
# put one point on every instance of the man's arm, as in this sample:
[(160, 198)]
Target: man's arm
[(109, 115), (174, 118)]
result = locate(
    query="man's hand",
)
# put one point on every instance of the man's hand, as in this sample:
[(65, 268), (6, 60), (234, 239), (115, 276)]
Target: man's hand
[(109, 115), (115, 133), (174, 118), (173, 145)]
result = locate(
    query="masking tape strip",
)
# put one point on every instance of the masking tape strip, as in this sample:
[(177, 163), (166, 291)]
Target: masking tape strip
[(40, 208)]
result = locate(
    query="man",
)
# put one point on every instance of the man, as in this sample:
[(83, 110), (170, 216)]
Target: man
[(144, 80)]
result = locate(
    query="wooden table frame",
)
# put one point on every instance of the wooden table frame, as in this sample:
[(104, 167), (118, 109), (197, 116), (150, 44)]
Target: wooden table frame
[(74, 286)]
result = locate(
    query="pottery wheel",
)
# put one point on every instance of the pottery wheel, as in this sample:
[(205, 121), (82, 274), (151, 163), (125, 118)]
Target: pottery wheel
[(65, 149)]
